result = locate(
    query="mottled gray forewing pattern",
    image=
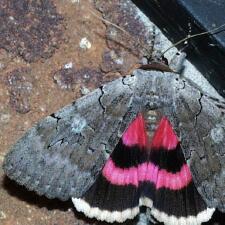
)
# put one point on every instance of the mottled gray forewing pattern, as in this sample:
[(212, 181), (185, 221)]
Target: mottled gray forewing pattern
[(62, 154), (201, 128)]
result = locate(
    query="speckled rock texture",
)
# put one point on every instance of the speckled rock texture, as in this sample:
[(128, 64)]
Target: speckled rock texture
[(52, 52), (29, 28)]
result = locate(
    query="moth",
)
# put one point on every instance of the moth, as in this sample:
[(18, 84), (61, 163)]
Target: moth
[(147, 139)]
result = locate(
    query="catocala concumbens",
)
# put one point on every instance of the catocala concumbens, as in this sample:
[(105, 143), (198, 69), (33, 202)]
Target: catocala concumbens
[(62, 156)]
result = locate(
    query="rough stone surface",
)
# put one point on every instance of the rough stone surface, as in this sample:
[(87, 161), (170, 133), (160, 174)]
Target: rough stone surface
[(20, 85), (29, 28), (67, 78), (131, 42)]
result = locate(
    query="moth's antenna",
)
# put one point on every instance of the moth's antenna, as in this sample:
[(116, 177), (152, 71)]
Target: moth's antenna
[(106, 21), (118, 27), (213, 31)]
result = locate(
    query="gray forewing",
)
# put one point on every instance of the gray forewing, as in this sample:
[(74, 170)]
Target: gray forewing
[(201, 125), (62, 154)]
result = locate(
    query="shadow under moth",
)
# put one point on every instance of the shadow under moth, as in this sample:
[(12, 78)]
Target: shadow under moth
[(148, 139)]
